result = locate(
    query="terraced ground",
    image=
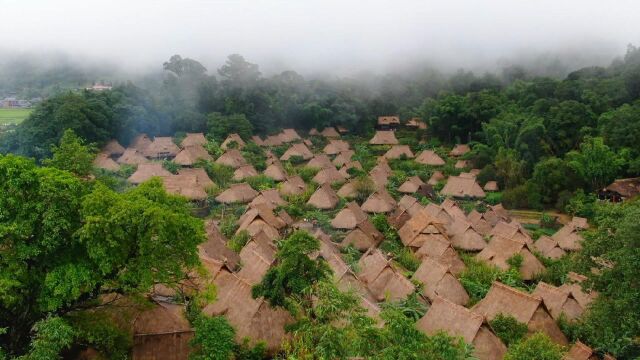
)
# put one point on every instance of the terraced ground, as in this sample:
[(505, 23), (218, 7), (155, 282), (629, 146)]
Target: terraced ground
[(13, 116)]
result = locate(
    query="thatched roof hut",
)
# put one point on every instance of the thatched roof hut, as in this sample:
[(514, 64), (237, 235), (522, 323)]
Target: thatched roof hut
[(335, 146), (147, 171), (328, 175), (343, 157), (244, 172), (464, 236), (456, 320), (104, 161), (113, 148), (237, 193), (501, 249), (161, 329), (569, 238), (548, 247), (381, 278), (436, 177), (398, 151), (384, 137), (289, 135), (439, 249), (411, 185), (186, 185), (324, 198), (330, 132), (275, 172), (273, 140), (299, 149), (623, 189), (140, 142), (189, 155), (491, 186), (233, 158), (162, 147), (559, 301), (349, 217), (512, 230), (429, 157), (379, 202), (131, 156), (270, 197), (320, 161), (461, 164), (233, 138), (194, 139), (294, 185), (438, 281), (459, 150), (216, 246), (257, 140), (462, 187), (416, 123), (348, 189), (389, 120)]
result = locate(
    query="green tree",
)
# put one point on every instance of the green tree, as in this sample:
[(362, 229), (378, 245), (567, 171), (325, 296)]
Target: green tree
[(294, 272), (620, 128), (552, 176), (538, 346), (220, 126), (509, 168), (214, 339), (567, 123), (595, 163), (508, 329), (72, 155)]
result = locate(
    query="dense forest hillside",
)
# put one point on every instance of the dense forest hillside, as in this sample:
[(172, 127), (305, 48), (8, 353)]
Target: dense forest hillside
[(253, 216)]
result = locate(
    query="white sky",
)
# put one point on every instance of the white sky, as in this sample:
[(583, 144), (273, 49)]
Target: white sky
[(320, 35)]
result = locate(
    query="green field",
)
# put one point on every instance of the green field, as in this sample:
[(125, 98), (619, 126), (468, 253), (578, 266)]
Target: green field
[(13, 116)]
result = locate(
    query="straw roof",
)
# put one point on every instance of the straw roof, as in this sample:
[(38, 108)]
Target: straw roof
[(348, 190), (459, 150), (293, 186), (324, 198), (275, 172), (140, 142), (420, 228), (379, 202), (194, 139), (417, 123), (361, 240), (525, 308), (439, 281), (440, 249), (568, 238), (462, 187), (131, 156), (344, 170), (410, 205), (456, 320), (501, 249), (382, 279), (580, 351), (161, 318), (397, 151), (289, 135), (512, 230), (379, 177), (548, 247), (147, 171), (273, 140), (314, 132), (300, 150), (256, 260), (435, 178), (384, 137), (244, 171), (161, 147), (481, 222), (251, 318), (627, 188), (185, 185), (342, 129), (270, 197), (335, 146), (464, 236), (349, 217), (257, 140), (429, 157), (191, 154), (233, 138), (491, 186), (216, 246), (411, 185), (103, 161), (328, 175), (233, 158), (461, 164), (558, 301), (343, 157), (320, 161), (389, 120), (330, 132), (241, 193), (579, 222), (113, 148)]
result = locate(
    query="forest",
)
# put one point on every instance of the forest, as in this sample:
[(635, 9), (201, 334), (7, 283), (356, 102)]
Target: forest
[(78, 241)]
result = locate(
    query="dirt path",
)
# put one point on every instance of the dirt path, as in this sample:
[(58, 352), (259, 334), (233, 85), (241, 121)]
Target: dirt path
[(533, 217)]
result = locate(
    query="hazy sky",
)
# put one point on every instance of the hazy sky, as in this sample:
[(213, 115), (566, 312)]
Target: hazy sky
[(321, 35)]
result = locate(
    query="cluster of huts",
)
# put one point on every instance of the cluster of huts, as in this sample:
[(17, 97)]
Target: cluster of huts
[(435, 233)]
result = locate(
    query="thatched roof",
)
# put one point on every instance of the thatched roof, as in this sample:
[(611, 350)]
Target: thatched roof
[(548, 247), (411, 185), (256, 260), (491, 186), (216, 246), (579, 222), (273, 140), (270, 197), (420, 228), (389, 120), (342, 129), (344, 170), (460, 150), (348, 190), (191, 154), (131, 156), (299, 149), (397, 151), (438, 281), (439, 249), (379, 202), (147, 171), (344, 157), (324, 198), (244, 171), (233, 138), (330, 132), (349, 217), (257, 140), (527, 309), (381, 278), (113, 148), (293, 186), (276, 172), (462, 187), (103, 161), (501, 249), (200, 174), (580, 351), (384, 137), (435, 178), (429, 157), (461, 164), (379, 177), (361, 240), (456, 320), (251, 318), (568, 238), (335, 146), (242, 193), (627, 188), (161, 318), (464, 236), (328, 175), (320, 161), (289, 135), (161, 147), (232, 157), (140, 142), (194, 139), (186, 185), (314, 132), (511, 230), (416, 123), (558, 301)]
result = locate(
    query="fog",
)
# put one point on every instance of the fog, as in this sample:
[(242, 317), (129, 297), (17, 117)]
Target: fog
[(324, 37)]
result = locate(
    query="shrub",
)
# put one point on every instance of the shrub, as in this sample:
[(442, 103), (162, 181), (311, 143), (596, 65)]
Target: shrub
[(493, 198), (214, 339), (537, 346), (307, 173), (364, 187), (260, 182), (508, 329), (239, 240), (228, 225), (170, 166), (582, 204), (220, 174), (548, 221), (478, 277)]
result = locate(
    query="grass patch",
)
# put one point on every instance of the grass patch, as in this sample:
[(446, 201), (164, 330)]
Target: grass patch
[(13, 116)]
